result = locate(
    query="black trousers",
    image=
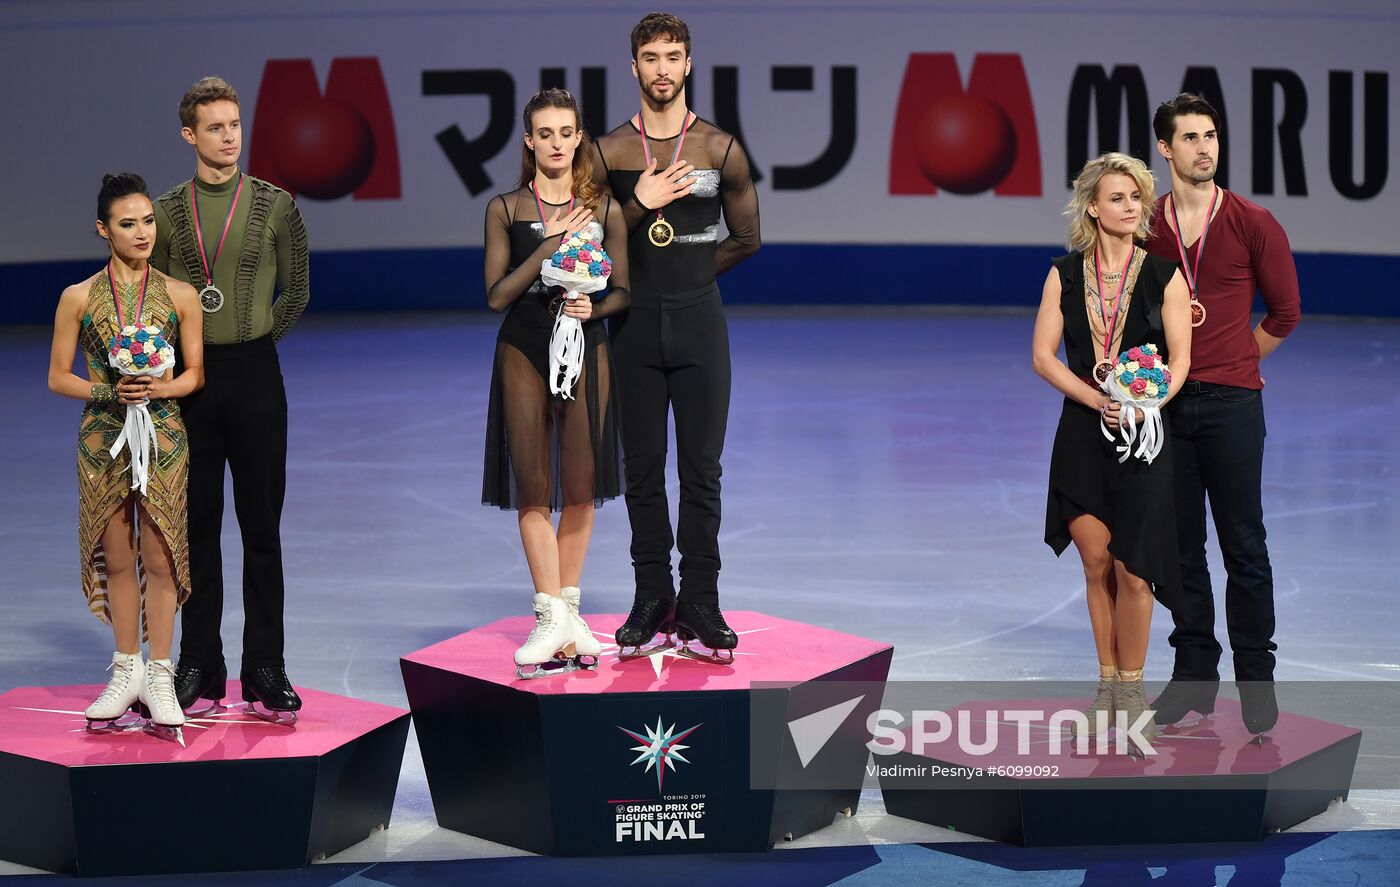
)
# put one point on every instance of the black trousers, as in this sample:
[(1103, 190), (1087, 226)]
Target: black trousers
[(673, 357), (1217, 439), (238, 419)]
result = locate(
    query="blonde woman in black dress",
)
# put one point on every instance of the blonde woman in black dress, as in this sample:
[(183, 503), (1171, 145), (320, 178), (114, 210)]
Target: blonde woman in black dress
[(1106, 296)]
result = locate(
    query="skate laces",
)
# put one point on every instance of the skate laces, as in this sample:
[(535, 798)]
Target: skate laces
[(160, 683), (710, 616), (1130, 693), (544, 623), (1103, 698), (118, 682), (642, 607)]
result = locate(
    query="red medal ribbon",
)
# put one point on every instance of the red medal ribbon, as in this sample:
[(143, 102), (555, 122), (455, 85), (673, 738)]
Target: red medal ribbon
[(646, 150), (1191, 273), (199, 235), (1110, 326), (117, 302)]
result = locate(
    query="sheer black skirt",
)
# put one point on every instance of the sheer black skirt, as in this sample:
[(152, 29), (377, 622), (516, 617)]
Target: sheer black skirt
[(541, 449)]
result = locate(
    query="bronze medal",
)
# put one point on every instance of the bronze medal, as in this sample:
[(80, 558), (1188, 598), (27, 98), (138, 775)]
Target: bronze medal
[(1102, 370), (1192, 273)]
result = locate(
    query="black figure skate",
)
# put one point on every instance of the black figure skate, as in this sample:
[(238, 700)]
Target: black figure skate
[(270, 695), (705, 623), (649, 615)]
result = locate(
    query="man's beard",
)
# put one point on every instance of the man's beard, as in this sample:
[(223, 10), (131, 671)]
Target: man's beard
[(664, 100), (1198, 176)]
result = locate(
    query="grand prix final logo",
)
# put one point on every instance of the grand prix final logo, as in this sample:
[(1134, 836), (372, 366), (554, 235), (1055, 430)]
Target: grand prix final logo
[(660, 748), (965, 141), (326, 146), (672, 817)]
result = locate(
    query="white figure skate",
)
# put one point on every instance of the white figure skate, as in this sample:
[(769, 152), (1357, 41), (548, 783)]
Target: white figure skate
[(119, 696), (162, 708), (586, 644), (547, 647)]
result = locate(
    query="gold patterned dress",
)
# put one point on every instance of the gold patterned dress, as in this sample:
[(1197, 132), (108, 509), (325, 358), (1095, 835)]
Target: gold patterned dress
[(104, 482)]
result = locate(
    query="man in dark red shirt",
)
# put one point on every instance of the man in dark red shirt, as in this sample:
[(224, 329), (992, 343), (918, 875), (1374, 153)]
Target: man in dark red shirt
[(1228, 248)]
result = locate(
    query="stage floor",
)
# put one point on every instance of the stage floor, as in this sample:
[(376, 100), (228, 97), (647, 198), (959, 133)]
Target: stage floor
[(884, 475)]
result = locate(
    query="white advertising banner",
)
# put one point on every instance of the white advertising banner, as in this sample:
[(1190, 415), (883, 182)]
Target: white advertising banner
[(894, 122)]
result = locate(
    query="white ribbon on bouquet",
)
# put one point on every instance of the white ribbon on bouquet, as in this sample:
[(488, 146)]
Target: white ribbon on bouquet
[(138, 434), (1150, 438), (566, 341)]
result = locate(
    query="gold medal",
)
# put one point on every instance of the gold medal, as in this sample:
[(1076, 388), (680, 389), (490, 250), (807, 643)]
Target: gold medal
[(661, 233)]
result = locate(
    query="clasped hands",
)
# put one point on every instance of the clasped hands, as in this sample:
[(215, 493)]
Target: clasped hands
[(140, 389), (1112, 413)]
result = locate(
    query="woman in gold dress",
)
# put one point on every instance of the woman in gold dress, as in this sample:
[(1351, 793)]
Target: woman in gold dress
[(134, 551)]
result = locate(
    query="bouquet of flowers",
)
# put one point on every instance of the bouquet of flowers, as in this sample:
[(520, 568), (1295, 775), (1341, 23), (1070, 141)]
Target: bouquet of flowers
[(139, 350), (580, 265), (1139, 381)]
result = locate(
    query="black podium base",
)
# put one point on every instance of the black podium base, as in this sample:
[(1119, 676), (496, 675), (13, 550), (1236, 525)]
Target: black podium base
[(1208, 782), (241, 795), (646, 755)]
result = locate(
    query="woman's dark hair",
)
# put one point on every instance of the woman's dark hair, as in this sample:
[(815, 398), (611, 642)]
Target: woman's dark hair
[(115, 186)]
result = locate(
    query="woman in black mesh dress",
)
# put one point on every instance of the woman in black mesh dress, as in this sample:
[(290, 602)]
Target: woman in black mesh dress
[(544, 452)]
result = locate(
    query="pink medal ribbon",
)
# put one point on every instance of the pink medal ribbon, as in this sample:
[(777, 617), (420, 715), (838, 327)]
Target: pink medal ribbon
[(1192, 274), (1110, 325), (117, 302), (211, 298), (540, 204), (660, 232)]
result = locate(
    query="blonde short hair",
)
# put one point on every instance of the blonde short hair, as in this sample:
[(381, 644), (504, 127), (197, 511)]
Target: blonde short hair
[(1083, 228)]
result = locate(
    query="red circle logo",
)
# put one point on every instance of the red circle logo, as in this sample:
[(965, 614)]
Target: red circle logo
[(323, 148), (964, 144)]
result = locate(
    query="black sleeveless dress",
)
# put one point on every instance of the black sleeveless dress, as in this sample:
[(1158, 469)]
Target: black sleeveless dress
[(1132, 498), (543, 450)]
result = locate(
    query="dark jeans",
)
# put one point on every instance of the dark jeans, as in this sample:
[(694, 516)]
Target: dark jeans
[(239, 420), (1217, 437), (674, 361)]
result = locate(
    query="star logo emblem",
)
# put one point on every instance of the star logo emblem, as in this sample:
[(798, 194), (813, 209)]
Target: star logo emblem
[(660, 748)]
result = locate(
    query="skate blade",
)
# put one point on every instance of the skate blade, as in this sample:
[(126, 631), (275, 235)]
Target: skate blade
[(643, 651), (127, 721), (548, 669), (715, 657), (163, 731), (204, 707), (263, 713)]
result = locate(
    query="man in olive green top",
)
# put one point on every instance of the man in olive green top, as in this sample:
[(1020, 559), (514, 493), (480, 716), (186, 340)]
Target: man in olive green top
[(240, 241)]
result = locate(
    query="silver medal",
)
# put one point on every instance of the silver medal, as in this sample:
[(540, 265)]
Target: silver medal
[(211, 299)]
